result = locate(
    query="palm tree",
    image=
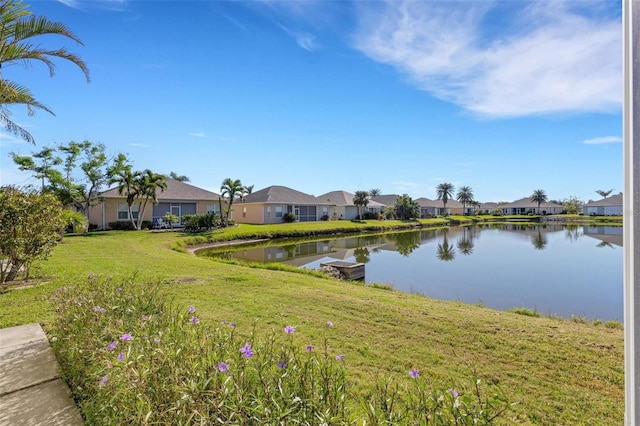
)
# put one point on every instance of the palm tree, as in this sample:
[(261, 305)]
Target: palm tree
[(539, 196), (604, 194), (465, 195), (18, 27), (246, 190), (127, 186), (444, 192), (445, 251), (360, 199), (147, 185), (229, 191), (374, 192), (180, 178)]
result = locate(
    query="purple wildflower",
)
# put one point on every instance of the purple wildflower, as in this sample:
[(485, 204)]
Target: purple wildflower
[(233, 325), (156, 340), (121, 357), (454, 393), (192, 309), (112, 345), (414, 373), (340, 357), (118, 290), (246, 351), (289, 329), (195, 320), (99, 309), (282, 365), (103, 381), (223, 367), (310, 347), (126, 336), (329, 324)]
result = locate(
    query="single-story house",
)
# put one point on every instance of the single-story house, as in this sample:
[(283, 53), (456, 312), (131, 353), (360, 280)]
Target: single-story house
[(388, 200), (429, 208), (525, 205), (179, 198), (269, 205), (343, 207), (611, 206)]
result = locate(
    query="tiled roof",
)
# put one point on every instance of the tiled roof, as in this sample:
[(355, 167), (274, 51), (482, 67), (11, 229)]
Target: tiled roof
[(614, 200), (176, 190), (344, 198), (527, 203), (283, 195), (387, 200)]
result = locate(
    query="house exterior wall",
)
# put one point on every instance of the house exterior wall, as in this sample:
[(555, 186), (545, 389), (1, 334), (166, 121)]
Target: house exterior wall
[(604, 210)]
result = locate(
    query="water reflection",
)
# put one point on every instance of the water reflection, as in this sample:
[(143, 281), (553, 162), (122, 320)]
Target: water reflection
[(496, 264)]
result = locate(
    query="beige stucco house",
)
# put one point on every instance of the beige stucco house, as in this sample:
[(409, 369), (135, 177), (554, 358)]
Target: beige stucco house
[(269, 205), (525, 205), (343, 207), (179, 198)]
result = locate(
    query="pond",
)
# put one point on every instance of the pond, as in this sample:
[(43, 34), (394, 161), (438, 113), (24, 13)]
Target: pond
[(551, 268)]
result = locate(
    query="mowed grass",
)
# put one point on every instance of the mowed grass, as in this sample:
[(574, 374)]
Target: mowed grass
[(560, 372)]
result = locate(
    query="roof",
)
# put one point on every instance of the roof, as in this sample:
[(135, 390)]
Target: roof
[(527, 203), (282, 195), (614, 200), (344, 198), (176, 190), (386, 200)]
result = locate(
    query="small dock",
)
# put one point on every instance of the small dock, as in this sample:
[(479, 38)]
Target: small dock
[(350, 270)]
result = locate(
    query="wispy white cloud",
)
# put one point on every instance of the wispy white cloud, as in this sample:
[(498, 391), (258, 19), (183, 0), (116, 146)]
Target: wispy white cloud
[(603, 140), (137, 144), (116, 5), (305, 40), (550, 58), (197, 134)]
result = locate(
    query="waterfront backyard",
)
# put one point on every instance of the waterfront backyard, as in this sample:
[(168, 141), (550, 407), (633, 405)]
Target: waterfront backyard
[(559, 371)]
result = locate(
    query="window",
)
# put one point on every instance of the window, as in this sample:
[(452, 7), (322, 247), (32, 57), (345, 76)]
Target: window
[(278, 210), (268, 211), (213, 208), (123, 211)]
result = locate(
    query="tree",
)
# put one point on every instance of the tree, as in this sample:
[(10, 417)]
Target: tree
[(360, 199), (18, 28), (246, 190), (75, 172), (230, 190), (31, 224), (444, 192), (539, 196), (181, 178), (140, 187), (147, 185), (572, 205), (445, 251), (374, 192), (465, 195), (604, 194), (406, 208)]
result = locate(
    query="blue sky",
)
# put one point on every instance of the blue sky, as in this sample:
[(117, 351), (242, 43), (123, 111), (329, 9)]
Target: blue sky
[(503, 96)]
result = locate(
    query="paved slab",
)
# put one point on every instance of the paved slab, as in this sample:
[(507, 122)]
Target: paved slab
[(31, 390)]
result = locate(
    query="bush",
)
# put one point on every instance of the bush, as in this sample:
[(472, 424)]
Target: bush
[(289, 218), (125, 225), (131, 357), (201, 222)]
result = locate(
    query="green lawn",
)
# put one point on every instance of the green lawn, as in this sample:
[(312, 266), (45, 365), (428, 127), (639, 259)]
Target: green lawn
[(562, 372)]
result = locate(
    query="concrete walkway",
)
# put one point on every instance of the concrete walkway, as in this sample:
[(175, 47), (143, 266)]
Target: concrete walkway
[(31, 390)]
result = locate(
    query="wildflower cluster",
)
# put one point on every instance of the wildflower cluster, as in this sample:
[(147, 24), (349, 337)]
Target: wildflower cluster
[(131, 357)]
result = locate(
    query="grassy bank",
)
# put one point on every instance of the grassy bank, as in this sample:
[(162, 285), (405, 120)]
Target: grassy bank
[(562, 372)]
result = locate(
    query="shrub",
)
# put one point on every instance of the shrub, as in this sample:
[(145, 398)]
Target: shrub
[(496, 212), (289, 218)]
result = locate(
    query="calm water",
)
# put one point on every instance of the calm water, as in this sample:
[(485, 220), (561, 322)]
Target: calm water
[(554, 269)]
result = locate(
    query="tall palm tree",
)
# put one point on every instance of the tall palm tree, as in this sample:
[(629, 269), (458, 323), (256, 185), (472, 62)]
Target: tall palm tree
[(374, 192), (127, 180), (229, 191), (539, 196), (465, 195), (180, 178), (360, 199), (246, 190), (604, 194), (18, 28), (444, 192)]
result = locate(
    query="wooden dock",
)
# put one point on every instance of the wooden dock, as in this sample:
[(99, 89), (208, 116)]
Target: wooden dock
[(350, 270)]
